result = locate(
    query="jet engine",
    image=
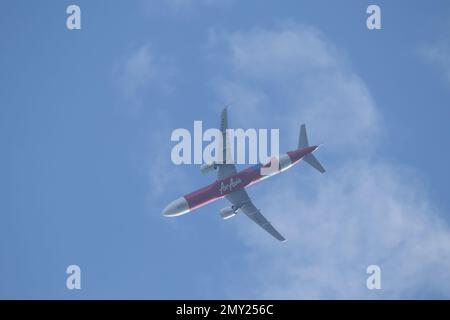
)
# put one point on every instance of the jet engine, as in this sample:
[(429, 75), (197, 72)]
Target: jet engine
[(208, 167), (228, 212)]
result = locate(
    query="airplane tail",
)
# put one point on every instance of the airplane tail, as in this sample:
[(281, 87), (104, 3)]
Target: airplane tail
[(309, 158)]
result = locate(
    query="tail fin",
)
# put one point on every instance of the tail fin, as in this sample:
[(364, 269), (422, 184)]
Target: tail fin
[(309, 158)]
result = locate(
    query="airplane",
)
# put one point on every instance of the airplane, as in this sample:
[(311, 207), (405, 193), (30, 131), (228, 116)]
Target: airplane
[(231, 184)]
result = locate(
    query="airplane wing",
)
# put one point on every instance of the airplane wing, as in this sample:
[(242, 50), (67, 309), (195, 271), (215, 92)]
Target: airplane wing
[(240, 199), (224, 169)]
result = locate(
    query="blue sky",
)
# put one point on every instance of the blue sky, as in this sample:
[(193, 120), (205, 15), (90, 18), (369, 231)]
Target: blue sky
[(85, 124)]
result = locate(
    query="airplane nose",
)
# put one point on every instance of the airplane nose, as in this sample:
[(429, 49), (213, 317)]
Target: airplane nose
[(176, 208)]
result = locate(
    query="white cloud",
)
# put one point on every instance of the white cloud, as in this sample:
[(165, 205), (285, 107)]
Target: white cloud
[(362, 211), (295, 69), (140, 73), (141, 79), (438, 54), (137, 71), (181, 8), (281, 53), (185, 3), (163, 174)]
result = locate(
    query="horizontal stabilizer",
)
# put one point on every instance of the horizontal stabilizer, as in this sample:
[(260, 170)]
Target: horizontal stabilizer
[(313, 162)]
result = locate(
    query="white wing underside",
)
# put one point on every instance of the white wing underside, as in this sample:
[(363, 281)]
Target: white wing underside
[(240, 198), (225, 169)]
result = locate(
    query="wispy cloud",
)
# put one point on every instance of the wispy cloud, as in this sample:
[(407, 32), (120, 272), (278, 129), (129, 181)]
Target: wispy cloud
[(140, 73), (438, 54), (163, 174), (295, 75), (137, 70), (143, 78), (181, 8), (362, 211)]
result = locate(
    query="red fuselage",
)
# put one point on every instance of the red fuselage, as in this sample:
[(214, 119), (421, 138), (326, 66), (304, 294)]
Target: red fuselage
[(242, 179)]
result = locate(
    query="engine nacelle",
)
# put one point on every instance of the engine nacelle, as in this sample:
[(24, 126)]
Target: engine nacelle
[(228, 212), (208, 167)]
